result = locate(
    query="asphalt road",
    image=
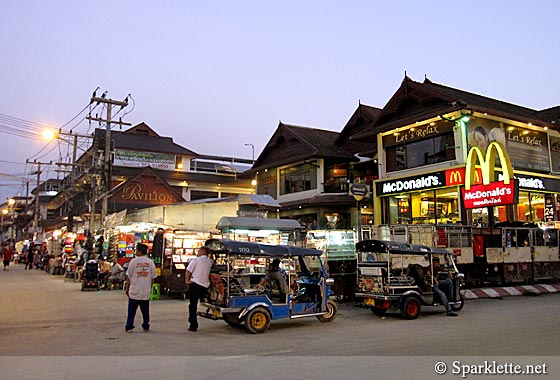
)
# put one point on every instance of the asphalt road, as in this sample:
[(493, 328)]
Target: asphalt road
[(57, 331)]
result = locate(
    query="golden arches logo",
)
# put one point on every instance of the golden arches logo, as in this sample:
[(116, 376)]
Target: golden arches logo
[(487, 164), (455, 177)]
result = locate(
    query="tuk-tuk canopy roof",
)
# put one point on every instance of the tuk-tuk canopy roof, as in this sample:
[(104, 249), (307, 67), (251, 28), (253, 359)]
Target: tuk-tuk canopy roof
[(258, 249), (384, 246), (232, 223)]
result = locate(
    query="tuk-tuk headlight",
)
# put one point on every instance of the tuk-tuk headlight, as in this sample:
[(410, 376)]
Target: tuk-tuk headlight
[(329, 281)]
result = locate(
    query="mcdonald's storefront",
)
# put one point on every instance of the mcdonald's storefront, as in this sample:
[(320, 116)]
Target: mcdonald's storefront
[(437, 198)]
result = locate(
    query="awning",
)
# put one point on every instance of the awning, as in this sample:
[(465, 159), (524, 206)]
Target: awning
[(245, 223), (257, 200)]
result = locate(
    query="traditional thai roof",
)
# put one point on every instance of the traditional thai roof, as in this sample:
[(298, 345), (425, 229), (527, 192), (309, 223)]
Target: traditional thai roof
[(415, 101), (290, 144), (142, 138)]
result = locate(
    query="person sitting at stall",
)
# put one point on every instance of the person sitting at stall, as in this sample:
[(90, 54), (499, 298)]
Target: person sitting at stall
[(116, 278), (104, 272)]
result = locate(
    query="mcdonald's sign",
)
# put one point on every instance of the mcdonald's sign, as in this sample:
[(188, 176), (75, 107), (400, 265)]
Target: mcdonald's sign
[(456, 177), (490, 192)]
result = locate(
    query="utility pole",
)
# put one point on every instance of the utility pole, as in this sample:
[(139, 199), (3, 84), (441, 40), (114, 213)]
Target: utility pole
[(37, 192), (107, 152), (72, 176)]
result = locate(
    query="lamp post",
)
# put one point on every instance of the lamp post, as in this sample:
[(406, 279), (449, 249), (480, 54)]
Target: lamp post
[(11, 203), (253, 151), (4, 212)]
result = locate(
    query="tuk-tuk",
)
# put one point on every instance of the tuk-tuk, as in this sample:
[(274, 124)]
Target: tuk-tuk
[(398, 276), (243, 290)]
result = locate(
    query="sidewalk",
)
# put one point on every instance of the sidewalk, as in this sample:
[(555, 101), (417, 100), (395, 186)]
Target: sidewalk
[(508, 291)]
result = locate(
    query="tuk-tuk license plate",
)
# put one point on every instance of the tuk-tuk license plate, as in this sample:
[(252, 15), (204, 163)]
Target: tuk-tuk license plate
[(370, 302)]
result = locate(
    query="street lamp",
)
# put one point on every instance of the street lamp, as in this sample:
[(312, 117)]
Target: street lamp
[(4, 212), (11, 203), (253, 150)]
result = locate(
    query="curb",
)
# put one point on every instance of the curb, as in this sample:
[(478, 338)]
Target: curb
[(509, 291)]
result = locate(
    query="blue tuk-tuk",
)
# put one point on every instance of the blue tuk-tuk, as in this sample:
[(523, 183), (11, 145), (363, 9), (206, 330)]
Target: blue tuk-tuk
[(255, 283)]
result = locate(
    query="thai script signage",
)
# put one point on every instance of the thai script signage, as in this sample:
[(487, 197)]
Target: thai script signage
[(489, 193), (359, 191), (132, 158), (422, 182)]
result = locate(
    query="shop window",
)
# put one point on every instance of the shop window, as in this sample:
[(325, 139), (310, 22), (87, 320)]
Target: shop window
[(336, 179), (399, 210), (297, 178), (557, 206), (228, 195), (523, 207), (447, 206), (531, 207), (195, 195), (500, 214), (419, 153), (423, 208), (537, 207), (479, 217)]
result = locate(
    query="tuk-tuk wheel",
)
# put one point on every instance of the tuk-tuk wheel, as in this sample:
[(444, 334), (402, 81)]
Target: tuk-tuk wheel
[(378, 311), (410, 308), (459, 306), (257, 320), (332, 311)]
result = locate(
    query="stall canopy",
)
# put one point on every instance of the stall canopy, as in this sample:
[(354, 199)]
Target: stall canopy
[(245, 223), (257, 200)]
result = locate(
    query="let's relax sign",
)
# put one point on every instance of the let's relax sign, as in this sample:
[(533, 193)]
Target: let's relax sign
[(490, 192)]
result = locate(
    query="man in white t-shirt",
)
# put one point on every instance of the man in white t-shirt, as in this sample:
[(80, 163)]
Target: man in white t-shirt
[(197, 278), (139, 279)]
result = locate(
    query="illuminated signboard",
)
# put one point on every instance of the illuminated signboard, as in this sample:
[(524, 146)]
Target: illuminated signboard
[(141, 159), (456, 177), (489, 193), (416, 183)]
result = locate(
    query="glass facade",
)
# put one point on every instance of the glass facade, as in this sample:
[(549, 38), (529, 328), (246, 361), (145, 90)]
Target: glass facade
[(425, 207), (439, 148), (298, 178)]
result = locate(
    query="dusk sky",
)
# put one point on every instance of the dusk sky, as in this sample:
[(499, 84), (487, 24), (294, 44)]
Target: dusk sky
[(216, 75)]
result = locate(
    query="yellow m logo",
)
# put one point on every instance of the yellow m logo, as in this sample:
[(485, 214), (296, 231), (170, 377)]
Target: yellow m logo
[(487, 164)]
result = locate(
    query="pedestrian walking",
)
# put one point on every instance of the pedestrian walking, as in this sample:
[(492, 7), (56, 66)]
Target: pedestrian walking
[(7, 256), (139, 279), (30, 258), (197, 278)]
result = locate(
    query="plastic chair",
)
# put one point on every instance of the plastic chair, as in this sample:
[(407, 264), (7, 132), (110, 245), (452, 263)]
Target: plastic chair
[(156, 293)]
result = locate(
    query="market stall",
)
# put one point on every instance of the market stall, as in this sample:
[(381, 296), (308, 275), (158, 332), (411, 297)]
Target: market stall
[(179, 247), (338, 248), (259, 230)]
